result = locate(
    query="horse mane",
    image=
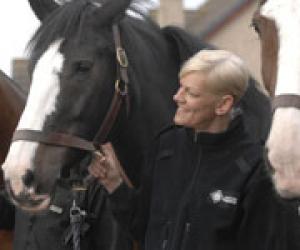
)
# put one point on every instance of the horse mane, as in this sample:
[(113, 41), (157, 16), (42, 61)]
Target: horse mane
[(183, 44), (61, 23), (148, 42)]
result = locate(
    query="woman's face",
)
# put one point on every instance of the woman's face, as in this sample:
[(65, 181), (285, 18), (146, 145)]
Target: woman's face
[(196, 106)]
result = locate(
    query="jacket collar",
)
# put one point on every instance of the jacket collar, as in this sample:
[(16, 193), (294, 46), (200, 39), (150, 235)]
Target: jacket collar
[(234, 132)]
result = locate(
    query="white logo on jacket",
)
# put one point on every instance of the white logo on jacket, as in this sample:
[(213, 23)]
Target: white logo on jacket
[(218, 196)]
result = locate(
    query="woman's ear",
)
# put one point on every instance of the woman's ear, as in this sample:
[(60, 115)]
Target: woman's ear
[(224, 105)]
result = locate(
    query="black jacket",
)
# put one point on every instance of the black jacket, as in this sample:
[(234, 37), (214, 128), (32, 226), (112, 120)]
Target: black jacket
[(204, 192), (7, 214), (50, 229)]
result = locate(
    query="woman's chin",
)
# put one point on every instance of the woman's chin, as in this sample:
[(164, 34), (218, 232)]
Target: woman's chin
[(178, 122), (178, 119)]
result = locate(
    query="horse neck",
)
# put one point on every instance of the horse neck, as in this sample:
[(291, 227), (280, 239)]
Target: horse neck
[(12, 102), (138, 131), (12, 98), (153, 81), (131, 146)]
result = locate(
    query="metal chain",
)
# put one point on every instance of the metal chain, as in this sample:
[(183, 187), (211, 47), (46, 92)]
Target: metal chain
[(76, 218)]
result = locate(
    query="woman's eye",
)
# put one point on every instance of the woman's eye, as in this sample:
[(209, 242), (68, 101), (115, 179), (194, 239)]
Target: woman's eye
[(192, 94)]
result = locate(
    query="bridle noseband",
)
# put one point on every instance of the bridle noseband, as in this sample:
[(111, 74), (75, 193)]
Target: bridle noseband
[(120, 95)]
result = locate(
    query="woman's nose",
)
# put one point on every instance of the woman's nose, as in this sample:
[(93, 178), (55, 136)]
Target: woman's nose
[(178, 96)]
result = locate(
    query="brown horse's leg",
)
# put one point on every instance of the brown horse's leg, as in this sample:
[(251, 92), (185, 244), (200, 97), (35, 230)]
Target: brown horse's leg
[(6, 239)]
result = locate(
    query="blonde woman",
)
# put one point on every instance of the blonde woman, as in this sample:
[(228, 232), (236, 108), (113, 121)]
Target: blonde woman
[(205, 186)]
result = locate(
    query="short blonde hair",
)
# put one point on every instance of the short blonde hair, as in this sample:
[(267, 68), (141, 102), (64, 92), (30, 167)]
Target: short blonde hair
[(225, 72)]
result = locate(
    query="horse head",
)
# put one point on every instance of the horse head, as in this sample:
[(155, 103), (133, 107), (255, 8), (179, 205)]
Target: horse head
[(77, 67), (277, 23), (73, 74)]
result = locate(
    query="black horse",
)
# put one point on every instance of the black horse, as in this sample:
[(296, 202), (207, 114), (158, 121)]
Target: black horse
[(76, 59)]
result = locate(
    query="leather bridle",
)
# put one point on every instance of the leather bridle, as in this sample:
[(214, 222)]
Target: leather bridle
[(120, 95), (286, 101)]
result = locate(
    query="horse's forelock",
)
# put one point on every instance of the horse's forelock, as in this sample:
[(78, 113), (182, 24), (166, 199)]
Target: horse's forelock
[(61, 23)]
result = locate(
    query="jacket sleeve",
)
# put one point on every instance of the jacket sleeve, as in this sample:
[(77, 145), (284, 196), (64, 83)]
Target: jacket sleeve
[(292, 215), (7, 214), (263, 220), (131, 206)]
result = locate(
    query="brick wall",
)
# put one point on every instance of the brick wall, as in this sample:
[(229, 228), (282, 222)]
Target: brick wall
[(20, 73), (171, 12)]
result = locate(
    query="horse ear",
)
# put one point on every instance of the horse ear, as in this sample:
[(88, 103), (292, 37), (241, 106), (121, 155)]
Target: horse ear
[(111, 9), (42, 8)]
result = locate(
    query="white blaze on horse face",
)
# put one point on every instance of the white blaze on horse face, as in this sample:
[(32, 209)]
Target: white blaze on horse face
[(40, 104), (284, 138), (286, 14)]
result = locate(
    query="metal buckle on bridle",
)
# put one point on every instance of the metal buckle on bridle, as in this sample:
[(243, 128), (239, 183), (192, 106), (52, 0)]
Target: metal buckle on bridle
[(76, 213), (123, 91), (122, 57)]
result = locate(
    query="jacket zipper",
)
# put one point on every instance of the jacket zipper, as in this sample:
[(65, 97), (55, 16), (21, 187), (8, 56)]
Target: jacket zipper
[(175, 243), (185, 235), (166, 234)]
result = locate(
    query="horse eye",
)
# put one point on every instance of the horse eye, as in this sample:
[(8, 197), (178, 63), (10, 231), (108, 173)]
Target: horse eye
[(255, 26), (83, 66)]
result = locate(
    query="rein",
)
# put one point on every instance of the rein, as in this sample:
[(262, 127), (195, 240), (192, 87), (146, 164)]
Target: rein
[(120, 95), (286, 101)]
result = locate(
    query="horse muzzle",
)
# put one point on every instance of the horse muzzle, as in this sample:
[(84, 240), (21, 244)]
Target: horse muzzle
[(26, 198)]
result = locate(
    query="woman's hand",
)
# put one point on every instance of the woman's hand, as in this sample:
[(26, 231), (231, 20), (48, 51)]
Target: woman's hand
[(105, 167)]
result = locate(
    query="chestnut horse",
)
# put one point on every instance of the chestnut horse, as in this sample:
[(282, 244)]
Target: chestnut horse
[(12, 102), (277, 23)]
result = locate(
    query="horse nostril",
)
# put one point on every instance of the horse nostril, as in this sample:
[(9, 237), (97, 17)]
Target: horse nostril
[(28, 178)]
